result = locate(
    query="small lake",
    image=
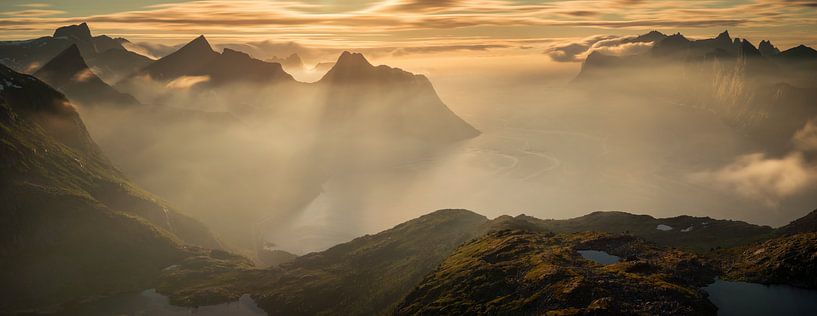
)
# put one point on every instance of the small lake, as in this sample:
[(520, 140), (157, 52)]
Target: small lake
[(599, 257), (742, 298), (149, 302)]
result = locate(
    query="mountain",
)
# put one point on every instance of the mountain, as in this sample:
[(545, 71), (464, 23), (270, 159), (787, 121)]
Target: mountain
[(513, 272), (291, 63), (801, 52), (787, 260), (391, 99), (759, 93), (459, 262), (106, 55), (767, 49), (68, 73), (198, 58), (79, 34), (686, 232), (368, 275), (323, 66), (652, 36), (805, 224), (184, 62), (72, 225)]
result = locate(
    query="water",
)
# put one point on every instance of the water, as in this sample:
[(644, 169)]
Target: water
[(599, 257), (742, 298), (151, 303)]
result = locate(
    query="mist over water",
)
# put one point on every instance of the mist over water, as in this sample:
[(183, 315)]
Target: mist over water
[(546, 149)]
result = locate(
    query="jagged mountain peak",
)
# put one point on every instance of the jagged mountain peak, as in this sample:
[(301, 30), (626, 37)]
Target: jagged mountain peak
[(354, 67), (69, 73), (767, 49), (198, 44), (67, 64), (76, 31), (231, 53), (352, 59), (652, 36), (724, 36), (748, 50)]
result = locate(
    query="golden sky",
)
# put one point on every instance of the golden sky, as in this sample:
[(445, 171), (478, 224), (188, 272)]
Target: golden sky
[(417, 25)]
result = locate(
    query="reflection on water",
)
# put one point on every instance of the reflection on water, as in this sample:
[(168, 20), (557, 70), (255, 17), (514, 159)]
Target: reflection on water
[(599, 257), (544, 160), (741, 298), (151, 303)]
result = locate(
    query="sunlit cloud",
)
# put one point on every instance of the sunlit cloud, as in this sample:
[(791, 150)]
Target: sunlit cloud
[(33, 13), (34, 5), (185, 82), (83, 75), (768, 179), (392, 21)]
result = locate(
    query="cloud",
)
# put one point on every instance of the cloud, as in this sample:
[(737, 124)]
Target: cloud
[(805, 139), (763, 178), (576, 51), (185, 82), (34, 5), (444, 48), (390, 22), (83, 75), (33, 13)]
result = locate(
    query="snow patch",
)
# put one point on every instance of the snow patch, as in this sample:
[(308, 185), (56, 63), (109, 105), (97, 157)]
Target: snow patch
[(663, 227), (686, 230)]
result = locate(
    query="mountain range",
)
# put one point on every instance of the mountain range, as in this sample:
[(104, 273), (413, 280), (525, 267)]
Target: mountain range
[(69, 73), (70, 206), (763, 92), (514, 265), (107, 56), (75, 228)]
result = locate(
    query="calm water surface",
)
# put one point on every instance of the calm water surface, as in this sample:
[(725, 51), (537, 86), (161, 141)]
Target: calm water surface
[(742, 298), (599, 257), (151, 303)]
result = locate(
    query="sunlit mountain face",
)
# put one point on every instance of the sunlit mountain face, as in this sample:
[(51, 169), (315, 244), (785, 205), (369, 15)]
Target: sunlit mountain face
[(408, 157)]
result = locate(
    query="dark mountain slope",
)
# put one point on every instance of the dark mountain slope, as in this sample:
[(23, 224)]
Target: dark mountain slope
[(72, 226), (184, 62), (68, 73), (105, 55), (389, 98), (198, 58), (688, 232), (805, 224), (790, 260)]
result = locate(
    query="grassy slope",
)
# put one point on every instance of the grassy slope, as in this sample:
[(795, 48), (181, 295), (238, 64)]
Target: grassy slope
[(72, 225), (513, 272), (365, 276), (705, 233)]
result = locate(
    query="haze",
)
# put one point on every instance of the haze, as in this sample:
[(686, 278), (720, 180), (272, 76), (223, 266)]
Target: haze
[(260, 164)]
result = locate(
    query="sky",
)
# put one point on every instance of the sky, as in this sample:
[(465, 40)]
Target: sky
[(462, 25)]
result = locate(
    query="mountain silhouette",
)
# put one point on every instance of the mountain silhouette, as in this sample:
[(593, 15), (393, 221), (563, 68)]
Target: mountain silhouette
[(291, 63), (79, 34), (197, 58), (105, 55), (801, 52), (767, 49), (402, 102), (69, 73)]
